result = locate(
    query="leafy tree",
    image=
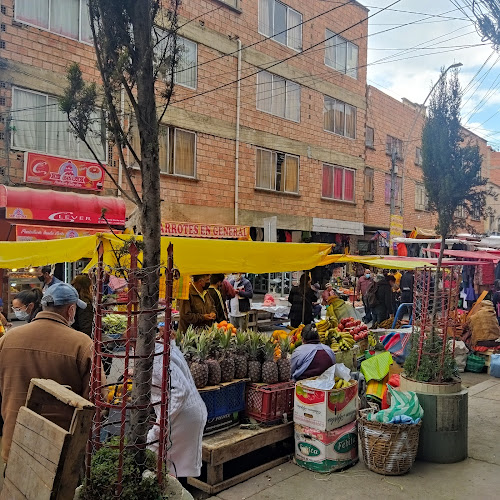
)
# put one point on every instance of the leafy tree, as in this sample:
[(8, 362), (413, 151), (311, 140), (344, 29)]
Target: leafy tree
[(451, 163), (138, 59)]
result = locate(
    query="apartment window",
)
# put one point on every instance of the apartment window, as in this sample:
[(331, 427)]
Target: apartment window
[(39, 125), (185, 73), (397, 190), (369, 184), (339, 117), (418, 156), (341, 55), (278, 96), (421, 198), (177, 150), (476, 213), (280, 22), (460, 212), (393, 144), (277, 171), (369, 137), (69, 18), (338, 183), (232, 3)]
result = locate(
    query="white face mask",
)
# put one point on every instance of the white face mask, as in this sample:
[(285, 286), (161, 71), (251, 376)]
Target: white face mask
[(22, 315)]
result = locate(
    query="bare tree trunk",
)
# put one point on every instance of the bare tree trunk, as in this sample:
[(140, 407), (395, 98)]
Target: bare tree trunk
[(436, 287), (151, 220)]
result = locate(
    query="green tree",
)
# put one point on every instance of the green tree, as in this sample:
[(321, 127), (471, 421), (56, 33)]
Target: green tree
[(137, 62), (451, 163)]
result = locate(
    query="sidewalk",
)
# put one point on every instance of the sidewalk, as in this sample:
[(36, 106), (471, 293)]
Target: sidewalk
[(476, 477)]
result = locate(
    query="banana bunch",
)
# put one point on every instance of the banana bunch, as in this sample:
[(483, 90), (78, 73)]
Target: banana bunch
[(346, 341), (323, 325), (372, 340), (335, 346), (341, 383)]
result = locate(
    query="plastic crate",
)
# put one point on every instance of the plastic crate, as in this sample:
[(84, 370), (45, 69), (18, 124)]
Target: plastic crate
[(268, 403), (224, 399), (475, 363)]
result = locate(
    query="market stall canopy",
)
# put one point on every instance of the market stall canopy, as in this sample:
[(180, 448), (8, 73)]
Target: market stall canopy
[(383, 261), (23, 204), (464, 254)]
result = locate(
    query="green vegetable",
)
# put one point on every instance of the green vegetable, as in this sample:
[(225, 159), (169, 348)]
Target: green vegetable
[(114, 324)]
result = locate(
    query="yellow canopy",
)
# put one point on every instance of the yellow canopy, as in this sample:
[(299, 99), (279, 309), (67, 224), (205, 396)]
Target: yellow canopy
[(379, 261)]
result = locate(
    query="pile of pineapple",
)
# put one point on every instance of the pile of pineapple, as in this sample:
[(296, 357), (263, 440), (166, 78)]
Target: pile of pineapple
[(330, 335), (215, 355)]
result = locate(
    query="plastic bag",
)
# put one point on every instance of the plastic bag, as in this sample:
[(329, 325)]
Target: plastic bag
[(495, 365), (326, 380), (376, 367), (461, 353), (402, 403)]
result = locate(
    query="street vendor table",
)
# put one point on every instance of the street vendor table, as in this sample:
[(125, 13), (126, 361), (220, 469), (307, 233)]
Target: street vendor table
[(234, 443), (261, 315)]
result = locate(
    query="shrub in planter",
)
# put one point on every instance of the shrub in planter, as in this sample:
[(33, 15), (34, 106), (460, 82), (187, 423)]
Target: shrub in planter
[(102, 484)]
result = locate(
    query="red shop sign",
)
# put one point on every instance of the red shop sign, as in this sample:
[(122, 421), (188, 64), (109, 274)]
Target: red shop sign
[(31, 233), (62, 172)]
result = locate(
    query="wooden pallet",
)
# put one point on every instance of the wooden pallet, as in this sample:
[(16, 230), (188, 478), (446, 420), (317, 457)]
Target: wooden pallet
[(235, 443)]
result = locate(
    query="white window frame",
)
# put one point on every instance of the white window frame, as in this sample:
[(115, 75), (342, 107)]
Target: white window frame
[(418, 156), (79, 39), (333, 167), (332, 36), (355, 111), (421, 198), (287, 83), (283, 177), (171, 160), (47, 151), (272, 36)]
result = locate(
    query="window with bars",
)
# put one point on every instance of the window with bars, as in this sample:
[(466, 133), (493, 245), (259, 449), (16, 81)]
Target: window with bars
[(278, 96), (421, 198), (369, 184), (341, 54), (397, 190), (369, 137), (418, 156), (277, 171), (476, 213), (461, 212), (39, 125), (280, 22), (338, 183), (69, 18), (185, 73), (393, 144), (339, 117)]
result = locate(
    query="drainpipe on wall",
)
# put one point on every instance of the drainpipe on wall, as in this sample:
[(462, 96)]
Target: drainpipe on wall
[(237, 148), (122, 120)]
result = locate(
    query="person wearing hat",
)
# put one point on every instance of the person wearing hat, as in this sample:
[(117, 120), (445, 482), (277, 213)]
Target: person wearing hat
[(327, 294), (45, 348)]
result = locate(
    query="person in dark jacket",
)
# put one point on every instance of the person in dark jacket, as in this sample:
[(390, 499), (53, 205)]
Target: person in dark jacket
[(215, 293), (199, 309), (239, 305), (496, 299), (84, 318), (26, 304), (406, 287), (384, 304), (302, 298)]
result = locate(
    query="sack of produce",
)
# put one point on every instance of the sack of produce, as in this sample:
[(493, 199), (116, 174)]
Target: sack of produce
[(484, 323), (460, 354)]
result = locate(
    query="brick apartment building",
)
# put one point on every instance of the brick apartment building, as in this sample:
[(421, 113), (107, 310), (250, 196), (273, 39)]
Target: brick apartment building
[(305, 139)]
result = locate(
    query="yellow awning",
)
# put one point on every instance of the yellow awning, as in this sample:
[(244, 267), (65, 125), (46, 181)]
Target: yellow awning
[(378, 261)]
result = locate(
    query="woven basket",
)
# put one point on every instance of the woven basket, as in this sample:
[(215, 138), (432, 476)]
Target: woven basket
[(388, 449)]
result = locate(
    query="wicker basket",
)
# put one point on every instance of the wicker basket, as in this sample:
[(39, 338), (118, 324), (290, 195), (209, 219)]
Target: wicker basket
[(388, 449)]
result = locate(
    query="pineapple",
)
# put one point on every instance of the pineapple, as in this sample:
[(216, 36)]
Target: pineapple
[(254, 365), (187, 344), (214, 371), (227, 360), (198, 367), (241, 357), (284, 364), (269, 367)]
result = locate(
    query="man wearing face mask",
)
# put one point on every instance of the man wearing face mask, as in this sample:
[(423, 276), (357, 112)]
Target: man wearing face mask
[(45, 348), (364, 284), (46, 276), (199, 309), (239, 306)]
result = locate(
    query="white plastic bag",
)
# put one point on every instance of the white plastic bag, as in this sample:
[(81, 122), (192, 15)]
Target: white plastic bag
[(461, 352), (326, 380)]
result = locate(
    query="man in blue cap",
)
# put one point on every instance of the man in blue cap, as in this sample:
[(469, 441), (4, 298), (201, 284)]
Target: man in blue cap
[(45, 348)]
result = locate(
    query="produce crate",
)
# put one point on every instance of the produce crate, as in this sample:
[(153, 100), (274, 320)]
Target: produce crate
[(224, 399), (222, 423), (268, 403), (475, 363)]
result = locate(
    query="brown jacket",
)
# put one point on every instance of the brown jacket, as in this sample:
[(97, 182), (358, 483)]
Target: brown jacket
[(191, 311), (45, 348)]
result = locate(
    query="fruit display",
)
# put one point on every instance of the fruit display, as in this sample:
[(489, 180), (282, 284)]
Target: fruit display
[(241, 356), (198, 366), (296, 337), (226, 361), (254, 364), (340, 383), (270, 374), (343, 335), (284, 363), (224, 325)]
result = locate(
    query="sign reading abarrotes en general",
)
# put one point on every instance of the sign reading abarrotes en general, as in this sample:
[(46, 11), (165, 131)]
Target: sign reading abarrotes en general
[(195, 230), (62, 172)]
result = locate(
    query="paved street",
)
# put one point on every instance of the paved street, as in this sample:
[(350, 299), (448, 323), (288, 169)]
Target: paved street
[(477, 477)]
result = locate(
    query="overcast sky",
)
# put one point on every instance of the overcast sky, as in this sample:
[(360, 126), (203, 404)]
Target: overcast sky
[(439, 35)]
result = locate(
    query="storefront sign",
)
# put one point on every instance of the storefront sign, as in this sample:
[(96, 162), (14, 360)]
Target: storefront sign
[(31, 233), (61, 217), (193, 230), (396, 231), (62, 172)]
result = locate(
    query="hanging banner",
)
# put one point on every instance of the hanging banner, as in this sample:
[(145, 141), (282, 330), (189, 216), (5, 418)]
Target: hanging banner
[(195, 230), (62, 172), (396, 231), (32, 233)]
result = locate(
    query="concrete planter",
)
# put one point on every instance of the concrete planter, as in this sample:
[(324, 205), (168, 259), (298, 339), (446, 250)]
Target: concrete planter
[(443, 435)]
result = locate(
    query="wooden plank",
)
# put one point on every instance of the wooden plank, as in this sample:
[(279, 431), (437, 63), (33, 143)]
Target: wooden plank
[(245, 441), (215, 474), (40, 386), (10, 492), (228, 483)]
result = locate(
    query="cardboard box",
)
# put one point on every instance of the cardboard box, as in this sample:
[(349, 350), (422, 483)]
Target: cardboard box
[(326, 451), (325, 410)]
